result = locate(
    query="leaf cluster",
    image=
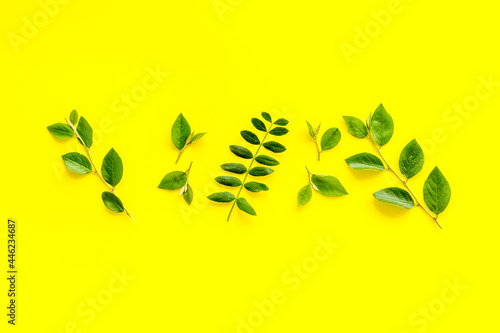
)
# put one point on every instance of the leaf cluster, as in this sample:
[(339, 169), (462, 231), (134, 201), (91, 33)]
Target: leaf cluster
[(329, 140)]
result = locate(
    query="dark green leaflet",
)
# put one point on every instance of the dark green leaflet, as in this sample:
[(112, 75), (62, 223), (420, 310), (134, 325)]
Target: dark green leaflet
[(241, 152), (112, 168), (250, 137), (324, 184), (112, 202), (234, 168), (173, 180), (85, 131)]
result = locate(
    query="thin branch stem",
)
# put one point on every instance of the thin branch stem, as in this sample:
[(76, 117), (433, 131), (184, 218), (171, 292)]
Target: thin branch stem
[(317, 149)]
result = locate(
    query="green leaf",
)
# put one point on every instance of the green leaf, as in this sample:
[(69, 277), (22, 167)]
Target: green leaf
[(228, 181), (173, 180), (395, 196), (180, 132), (278, 131), (356, 127), (250, 137), (61, 131), (112, 168), (85, 131), (112, 202), (73, 117), (241, 152), (311, 130), (234, 168), (281, 122), (267, 117), (259, 124), (188, 194), (411, 160), (245, 206), (274, 146), (260, 171), (266, 160), (437, 192), (304, 195), (222, 197), (330, 139), (197, 136), (77, 163), (381, 125), (328, 185), (365, 161), (256, 187)]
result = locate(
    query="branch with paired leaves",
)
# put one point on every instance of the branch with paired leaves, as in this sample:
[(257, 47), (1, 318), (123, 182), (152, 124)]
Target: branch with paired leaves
[(182, 136), (258, 171), (178, 180), (112, 166), (378, 130), (323, 184), (329, 140)]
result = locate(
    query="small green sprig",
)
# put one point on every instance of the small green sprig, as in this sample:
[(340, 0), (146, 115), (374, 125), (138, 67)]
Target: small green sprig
[(182, 136), (378, 130), (112, 166), (329, 140), (178, 180), (323, 184)]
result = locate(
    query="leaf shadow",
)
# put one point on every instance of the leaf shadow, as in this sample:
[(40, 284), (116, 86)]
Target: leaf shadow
[(364, 174), (389, 210)]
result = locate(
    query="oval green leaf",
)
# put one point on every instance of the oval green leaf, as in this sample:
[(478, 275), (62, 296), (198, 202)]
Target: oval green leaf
[(112, 202), (112, 168), (274, 146), (356, 127), (256, 187), (395, 196), (173, 180), (73, 117), (411, 160), (245, 206), (234, 168), (281, 122), (85, 131), (228, 181), (222, 197), (260, 171), (278, 131), (437, 192), (381, 125), (61, 131), (311, 130), (259, 124), (304, 195), (77, 163), (180, 132), (266, 160), (328, 185), (267, 117), (197, 136), (188, 194), (250, 137), (241, 152), (365, 161), (330, 139)]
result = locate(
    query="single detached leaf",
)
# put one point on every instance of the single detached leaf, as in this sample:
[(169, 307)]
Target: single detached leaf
[(73, 117), (365, 161), (259, 124), (85, 131), (228, 181), (256, 187), (61, 131), (112, 202), (173, 180), (278, 131), (197, 136), (274, 146), (395, 196), (411, 160), (267, 117), (311, 130), (112, 168), (260, 171), (304, 195), (77, 163), (381, 125), (330, 139), (328, 185), (180, 132), (188, 194), (281, 122), (266, 160), (241, 152), (250, 137), (437, 192), (356, 127), (234, 168), (222, 197), (243, 205)]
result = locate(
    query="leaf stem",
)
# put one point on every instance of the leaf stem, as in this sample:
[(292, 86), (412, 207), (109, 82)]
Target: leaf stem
[(87, 150), (405, 183), (248, 170), (317, 149)]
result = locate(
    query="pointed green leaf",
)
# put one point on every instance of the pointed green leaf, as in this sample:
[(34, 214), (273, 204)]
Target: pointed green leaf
[(112, 202), (73, 117), (234, 168), (241, 152), (112, 168), (256, 187), (222, 197), (61, 131), (281, 122), (243, 205), (356, 127), (330, 139), (85, 131), (395, 196), (311, 130), (197, 136), (180, 132), (365, 161), (437, 192), (260, 171), (77, 163), (266, 160), (173, 180), (328, 185), (278, 131), (274, 146), (267, 117), (411, 160), (188, 194), (381, 125), (228, 181), (259, 124), (304, 195), (250, 137)]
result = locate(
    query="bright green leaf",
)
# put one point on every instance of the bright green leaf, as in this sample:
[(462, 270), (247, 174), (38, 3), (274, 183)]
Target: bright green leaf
[(311, 130), (188, 194), (330, 139), (437, 192), (77, 163), (328, 185), (381, 125), (112, 202), (395, 196), (356, 127), (304, 195), (173, 180), (411, 160), (197, 136), (365, 161), (180, 132), (243, 205), (85, 131), (73, 117), (112, 168), (61, 131)]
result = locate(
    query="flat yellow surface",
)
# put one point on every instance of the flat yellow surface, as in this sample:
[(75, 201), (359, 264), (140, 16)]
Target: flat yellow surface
[(184, 269)]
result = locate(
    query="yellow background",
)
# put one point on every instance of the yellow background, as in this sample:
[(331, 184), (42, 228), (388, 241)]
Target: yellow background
[(193, 271)]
